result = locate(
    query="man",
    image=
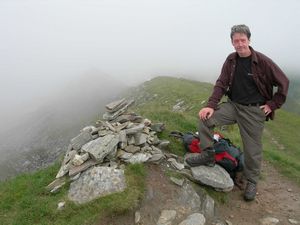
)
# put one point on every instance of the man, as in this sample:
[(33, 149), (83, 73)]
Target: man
[(247, 78)]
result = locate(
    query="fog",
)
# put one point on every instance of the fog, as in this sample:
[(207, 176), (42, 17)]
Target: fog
[(45, 44)]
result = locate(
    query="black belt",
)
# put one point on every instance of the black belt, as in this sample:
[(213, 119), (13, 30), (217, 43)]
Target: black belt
[(253, 104)]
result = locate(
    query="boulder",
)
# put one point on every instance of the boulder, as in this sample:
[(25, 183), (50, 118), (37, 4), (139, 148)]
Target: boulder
[(216, 177), (96, 182)]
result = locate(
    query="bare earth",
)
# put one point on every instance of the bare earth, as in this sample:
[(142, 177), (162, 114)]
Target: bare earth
[(277, 197)]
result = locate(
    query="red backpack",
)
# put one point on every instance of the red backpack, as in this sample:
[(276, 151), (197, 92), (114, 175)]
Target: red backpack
[(226, 154)]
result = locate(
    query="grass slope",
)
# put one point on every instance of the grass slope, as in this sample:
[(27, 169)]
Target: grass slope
[(23, 200)]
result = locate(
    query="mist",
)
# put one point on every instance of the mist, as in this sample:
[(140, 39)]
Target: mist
[(47, 46)]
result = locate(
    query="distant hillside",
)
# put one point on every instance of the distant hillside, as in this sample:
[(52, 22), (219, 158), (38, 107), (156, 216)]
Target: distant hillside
[(293, 101)]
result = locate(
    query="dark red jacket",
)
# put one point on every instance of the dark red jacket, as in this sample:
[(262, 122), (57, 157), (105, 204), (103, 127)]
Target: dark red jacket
[(266, 75)]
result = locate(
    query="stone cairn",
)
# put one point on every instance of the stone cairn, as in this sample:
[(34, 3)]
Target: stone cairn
[(121, 137)]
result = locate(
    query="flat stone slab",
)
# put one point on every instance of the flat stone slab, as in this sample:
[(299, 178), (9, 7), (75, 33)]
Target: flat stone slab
[(96, 182), (216, 177), (116, 105), (102, 146), (81, 139)]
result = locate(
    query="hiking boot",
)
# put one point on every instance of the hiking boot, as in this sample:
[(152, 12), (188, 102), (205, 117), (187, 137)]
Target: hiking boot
[(250, 191), (207, 158)]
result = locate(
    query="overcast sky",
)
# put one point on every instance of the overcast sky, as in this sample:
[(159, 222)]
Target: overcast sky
[(45, 44)]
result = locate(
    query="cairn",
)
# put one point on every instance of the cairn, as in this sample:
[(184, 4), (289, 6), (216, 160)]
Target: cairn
[(121, 137)]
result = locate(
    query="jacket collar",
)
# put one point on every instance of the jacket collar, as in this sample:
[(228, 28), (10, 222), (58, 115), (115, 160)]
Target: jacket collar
[(253, 53)]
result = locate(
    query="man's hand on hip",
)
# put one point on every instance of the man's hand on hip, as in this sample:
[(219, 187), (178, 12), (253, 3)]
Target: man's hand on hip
[(267, 110), (206, 113)]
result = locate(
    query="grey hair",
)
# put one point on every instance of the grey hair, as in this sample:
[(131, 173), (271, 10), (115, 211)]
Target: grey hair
[(241, 28)]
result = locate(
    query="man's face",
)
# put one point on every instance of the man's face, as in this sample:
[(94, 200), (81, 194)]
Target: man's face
[(241, 43)]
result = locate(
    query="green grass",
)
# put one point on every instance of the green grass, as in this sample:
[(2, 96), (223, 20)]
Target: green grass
[(24, 200), (284, 130)]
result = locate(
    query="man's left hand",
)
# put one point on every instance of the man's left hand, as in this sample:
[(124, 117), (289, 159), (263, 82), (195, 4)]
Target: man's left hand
[(267, 110)]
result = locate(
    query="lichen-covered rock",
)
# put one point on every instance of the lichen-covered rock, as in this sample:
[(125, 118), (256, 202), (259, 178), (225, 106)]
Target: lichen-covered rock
[(96, 182)]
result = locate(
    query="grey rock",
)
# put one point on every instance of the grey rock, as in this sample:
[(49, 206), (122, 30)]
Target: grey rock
[(163, 144), (101, 147), (155, 150), (56, 188), (156, 158), (216, 177), (175, 164), (189, 198), (75, 177), (77, 169), (95, 136), (147, 122), (166, 217), (138, 158), (140, 138), (135, 129), (269, 221), (293, 221), (113, 115), (228, 222), (81, 139), (61, 205), (178, 107), (115, 105), (56, 184), (80, 159), (177, 181), (64, 169), (112, 154), (137, 217), (132, 117), (208, 206), (124, 155), (91, 129), (130, 140), (132, 149), (123, 139), (110, 127), (147, 149), (119, 127), (194, 219), (96, 182), (158, 127), (69, 156)]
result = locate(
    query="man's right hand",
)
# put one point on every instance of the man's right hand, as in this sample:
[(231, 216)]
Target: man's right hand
[(206, 113)]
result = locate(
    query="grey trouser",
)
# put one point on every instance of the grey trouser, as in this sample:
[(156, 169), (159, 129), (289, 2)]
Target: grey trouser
[(250, 120)]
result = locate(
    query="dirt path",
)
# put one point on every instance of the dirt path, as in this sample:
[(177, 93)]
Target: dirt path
[(277, 197)]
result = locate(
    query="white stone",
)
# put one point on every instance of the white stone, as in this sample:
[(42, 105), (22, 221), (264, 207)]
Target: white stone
[(166, 217), (194, 219), (61, 205), (269, 221)]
